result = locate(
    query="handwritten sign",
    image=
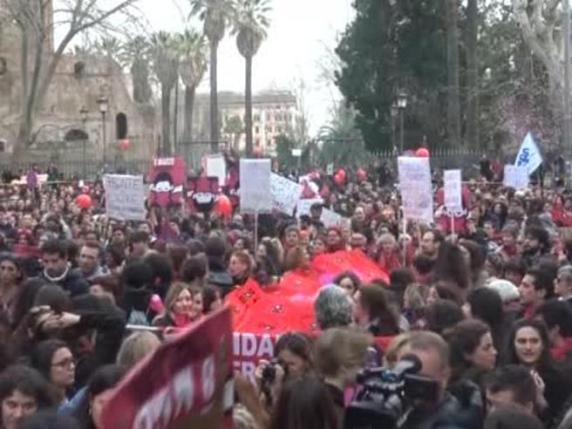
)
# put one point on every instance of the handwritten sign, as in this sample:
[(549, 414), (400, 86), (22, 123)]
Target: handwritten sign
[(416, 189), (124, 197), (332, 219), (516, 177), (216, 167), (453, 189), (330, 169), (255, 192), (285, 193), (303, 207)]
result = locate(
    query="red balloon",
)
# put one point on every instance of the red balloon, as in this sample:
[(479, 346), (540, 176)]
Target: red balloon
[(223, 206), (338, 179), (422, 152), (83, 201), (362, 175), (124, 144), (342, 174)]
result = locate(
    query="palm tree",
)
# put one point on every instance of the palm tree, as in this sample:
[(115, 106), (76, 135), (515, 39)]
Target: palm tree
[(136, 55), (192, 68), (215, 14), (166, 67), (250, 26)]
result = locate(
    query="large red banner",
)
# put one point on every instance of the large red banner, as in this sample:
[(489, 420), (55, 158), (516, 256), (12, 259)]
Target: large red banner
[(182, 385)]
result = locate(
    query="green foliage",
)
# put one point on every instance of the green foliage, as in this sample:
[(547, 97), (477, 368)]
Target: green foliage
[(341, 141), (393, 46), (284, 146)]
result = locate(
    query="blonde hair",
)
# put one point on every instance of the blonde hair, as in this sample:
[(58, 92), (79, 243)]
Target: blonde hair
[(416, 296), (173, 293), (337, 348), (395, 347), (136, 347), (387, 237)]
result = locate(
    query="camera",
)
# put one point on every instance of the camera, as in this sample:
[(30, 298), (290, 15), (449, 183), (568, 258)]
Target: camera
[(269, 371), (387, 397)]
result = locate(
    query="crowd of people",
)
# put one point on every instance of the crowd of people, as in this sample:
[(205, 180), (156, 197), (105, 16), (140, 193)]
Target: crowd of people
[(481, 301)]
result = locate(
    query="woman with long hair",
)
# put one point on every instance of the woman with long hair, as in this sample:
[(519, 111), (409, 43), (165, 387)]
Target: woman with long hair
[(11, 286), (178, 307), (529, 345), (373, 312), (473, 354), (55, 361), (486, 304)]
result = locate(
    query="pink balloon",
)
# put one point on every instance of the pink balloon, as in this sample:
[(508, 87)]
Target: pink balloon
[(362, 175), (422, 152), (342, 174), (156, 304)]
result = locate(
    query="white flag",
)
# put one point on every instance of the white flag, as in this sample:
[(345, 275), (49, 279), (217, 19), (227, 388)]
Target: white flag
[(528, 155)]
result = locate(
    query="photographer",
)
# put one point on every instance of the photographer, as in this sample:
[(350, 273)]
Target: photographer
[(293, 358), (414, 393)]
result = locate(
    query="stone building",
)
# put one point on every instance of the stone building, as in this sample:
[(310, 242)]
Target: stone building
[(81, 83), (273, 113)]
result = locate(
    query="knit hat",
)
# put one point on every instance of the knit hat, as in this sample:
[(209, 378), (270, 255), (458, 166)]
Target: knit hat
[(507, 290)]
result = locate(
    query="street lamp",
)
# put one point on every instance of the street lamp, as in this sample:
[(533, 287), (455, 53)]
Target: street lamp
[(401, 105), (84, 113), (394, 113), (103, 104)]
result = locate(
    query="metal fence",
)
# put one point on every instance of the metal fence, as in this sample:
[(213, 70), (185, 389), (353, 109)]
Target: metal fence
[(467, 160)]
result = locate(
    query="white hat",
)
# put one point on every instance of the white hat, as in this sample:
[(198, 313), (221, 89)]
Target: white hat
[(506, 289)]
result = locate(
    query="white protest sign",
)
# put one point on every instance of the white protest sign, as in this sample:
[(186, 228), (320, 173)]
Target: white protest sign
[(124, 197), (453, 189), (303, 207), (516, 177), (285, 193), (416, 189), (216, 167), (255, 193), (330, 169), (332, 219)]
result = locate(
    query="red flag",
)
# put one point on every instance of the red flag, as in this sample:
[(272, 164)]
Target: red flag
[(181, 385)]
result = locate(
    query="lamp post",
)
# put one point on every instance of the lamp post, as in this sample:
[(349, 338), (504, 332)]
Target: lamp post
[(401, 105), (103, 104), (394, 113), (84, 113)]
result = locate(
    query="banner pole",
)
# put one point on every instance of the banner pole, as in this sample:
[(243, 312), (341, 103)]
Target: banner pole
[(255, 231), (403, 241), (452, 223)]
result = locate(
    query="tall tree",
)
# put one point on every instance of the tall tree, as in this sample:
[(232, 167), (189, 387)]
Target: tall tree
[(35, 21), (136, 55), (472, 30), (250, 24), (166, 67), (192, 69), (453, 87), (216, 15)]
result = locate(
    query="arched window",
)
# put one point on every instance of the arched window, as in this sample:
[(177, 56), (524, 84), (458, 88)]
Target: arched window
[(76, 135), (3, 66), (79, 69), (3, 145), (121, 126)]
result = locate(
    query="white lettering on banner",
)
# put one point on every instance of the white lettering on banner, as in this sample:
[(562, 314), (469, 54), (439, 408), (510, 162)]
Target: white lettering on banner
[(255, 193), (285, 193), (177, 398), (416, 189), (124, 197), (163, 162), (332, 219), (453, 190), (249, 348), (515, 177)]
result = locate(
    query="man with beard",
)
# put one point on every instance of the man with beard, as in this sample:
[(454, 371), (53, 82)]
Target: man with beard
[(57, 269), (536, 246)]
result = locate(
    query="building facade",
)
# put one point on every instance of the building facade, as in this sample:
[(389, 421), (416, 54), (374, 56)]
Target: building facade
[(274, 113), (79, 84)]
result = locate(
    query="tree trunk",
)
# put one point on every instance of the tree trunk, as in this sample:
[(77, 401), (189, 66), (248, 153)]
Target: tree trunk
[(472, 75), (453, 99), (166, 115), (215, 132), (189, 105), (248, 106)]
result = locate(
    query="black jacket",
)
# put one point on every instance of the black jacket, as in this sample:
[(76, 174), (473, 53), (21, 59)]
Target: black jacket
[(73, 282)]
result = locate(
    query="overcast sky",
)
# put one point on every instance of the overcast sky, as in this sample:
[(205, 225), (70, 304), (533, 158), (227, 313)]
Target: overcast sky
[(302, 33)]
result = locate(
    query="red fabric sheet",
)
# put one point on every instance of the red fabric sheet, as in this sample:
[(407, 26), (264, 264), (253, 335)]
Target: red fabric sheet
[(290, 305)]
